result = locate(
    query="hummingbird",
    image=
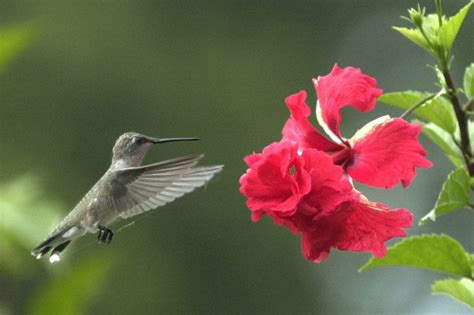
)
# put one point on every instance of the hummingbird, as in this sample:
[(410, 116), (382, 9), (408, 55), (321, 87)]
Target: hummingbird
[(127, 189)]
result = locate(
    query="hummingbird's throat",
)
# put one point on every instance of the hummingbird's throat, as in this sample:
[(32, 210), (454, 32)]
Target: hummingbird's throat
[(128, 159)]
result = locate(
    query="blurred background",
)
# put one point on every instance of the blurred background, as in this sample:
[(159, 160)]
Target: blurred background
[(77, 74)]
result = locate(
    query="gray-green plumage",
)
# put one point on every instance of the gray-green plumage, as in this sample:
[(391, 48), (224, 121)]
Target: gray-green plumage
[(127, 189)]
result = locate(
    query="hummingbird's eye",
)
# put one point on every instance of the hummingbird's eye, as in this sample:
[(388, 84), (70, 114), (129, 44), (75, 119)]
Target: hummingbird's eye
[(138, 140)]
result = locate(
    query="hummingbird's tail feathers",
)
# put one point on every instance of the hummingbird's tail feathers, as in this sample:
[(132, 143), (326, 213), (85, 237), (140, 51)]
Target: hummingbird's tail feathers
[(45, 246), (57, 242), (58, 249), (40, 252), (145, 194)]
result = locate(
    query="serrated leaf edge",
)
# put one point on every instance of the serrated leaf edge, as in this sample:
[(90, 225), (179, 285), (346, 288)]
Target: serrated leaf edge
[(367, 266), (450, 180)]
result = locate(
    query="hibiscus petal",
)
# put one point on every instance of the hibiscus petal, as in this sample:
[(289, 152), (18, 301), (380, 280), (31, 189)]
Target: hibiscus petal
[(252, 158), (329, 185), (289, 222), (370, 225), (317, 243), (257, 215), (269, 184), (299, 129), (386, 152), (357, 226), (278, 218), (343, 87)]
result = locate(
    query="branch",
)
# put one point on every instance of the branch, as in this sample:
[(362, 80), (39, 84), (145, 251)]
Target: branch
[(462, 119)]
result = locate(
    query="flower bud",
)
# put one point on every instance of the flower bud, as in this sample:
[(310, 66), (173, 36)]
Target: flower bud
[(416, 16)]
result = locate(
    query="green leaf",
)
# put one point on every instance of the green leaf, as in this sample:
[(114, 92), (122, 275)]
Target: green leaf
[(415, 36), (444, 141), (73, 291), (471, 132), (430, 25), (469, 81), (440, 76), (455, 194), (439, 253), (27, 215), (438, 110), (472, 266), (460, 289), (13, 40), (448, 31)]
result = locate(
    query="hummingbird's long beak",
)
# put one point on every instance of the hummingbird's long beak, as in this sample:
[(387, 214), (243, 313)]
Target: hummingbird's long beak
[(163, 140)]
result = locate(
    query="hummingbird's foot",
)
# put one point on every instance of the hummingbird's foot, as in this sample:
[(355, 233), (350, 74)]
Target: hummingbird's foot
[(105, 235)]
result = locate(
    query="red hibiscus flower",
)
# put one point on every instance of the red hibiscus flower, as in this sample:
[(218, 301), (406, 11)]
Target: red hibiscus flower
[(303, 181), (383, 153), (284, 184)]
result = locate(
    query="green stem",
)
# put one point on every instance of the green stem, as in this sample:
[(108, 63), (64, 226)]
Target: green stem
[(462, 119), (456, 142), (439, 12), (418, 104)]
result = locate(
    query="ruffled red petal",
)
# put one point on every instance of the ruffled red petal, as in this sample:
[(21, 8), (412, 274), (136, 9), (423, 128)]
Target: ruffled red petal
[(252, 158), (278, 218), (276, 180), (324, 234), (387, 152), (299, 129), (287, 221), (344, 87), (370, 225), (329, 185), (356, 226)]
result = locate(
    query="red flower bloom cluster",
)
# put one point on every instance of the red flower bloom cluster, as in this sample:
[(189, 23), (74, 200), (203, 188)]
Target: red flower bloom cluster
[(304, 181)]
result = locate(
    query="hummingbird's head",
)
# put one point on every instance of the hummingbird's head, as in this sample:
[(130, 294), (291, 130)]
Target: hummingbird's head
[(131, 147)]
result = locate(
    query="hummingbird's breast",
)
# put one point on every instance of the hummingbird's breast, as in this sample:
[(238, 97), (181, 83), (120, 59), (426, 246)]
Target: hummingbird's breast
[(94, 209), (99, 206)]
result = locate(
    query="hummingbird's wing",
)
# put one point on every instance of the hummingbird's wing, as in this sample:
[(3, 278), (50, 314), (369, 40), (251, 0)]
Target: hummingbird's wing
[(148, 187)]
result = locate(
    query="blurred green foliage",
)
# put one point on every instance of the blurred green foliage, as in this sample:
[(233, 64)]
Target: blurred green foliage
[(72, 291), (27, 216), (13, 40)]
